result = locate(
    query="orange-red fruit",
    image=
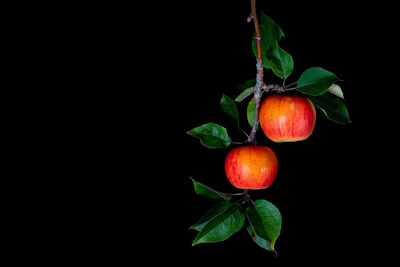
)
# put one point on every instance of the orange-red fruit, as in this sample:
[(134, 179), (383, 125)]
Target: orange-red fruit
[(251, 167), (287, 118)]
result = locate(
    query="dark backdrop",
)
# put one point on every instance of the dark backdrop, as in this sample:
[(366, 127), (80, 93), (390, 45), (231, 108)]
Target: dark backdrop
[(326, 185), (334, 190)]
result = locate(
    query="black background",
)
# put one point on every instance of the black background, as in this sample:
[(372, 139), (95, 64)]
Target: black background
[(124, 83), (317, 187), (335, 190), (330, 188)]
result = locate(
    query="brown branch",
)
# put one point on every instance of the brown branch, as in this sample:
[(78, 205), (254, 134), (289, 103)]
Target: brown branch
[(260, 74), (256, 28)]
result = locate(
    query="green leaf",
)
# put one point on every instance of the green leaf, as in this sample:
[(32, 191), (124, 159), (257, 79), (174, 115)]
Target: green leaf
[(212, 213), (264, 48), (258, 240), (336, 90), (229, 107), (211, 135), (247, 84), (257, 223), (315, 81), (281, 62), (203, 190), (334, 108), (250, 112), (274, 32), (244, 94), (266, 220), (271, 33), (222, 226)]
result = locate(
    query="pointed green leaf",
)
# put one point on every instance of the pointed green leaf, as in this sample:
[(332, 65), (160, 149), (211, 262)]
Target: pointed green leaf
[(256, 222), (274, 32), (281, 62), (336, 90), (315, 81), (271, 33), (212, 213), (258, 240), (247, 84), (222, 226), (266, 220), (334, 108), (250, 112), (264, 48), (211, 135), (229, 107), (203, 190), (245, 94)]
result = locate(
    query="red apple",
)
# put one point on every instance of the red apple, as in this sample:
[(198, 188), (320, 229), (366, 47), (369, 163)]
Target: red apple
[(251, 167), (286, 118)]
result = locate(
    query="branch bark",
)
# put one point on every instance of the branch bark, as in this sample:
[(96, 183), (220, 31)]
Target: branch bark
[(259, 75)]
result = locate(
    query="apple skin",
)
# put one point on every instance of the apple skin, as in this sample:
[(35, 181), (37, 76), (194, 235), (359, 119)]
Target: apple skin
[(251, 167), (285, 118)]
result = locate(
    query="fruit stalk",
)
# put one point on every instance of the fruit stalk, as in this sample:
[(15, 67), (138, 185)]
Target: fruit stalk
[(259, 76)]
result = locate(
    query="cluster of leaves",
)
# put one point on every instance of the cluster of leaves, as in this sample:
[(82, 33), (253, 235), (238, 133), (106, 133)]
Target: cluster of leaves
[(318, 84), (228, 217), (315, 82)]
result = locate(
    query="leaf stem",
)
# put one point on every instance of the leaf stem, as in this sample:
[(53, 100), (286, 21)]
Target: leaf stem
[(237, 194), (289, 89), (244, 132), (247, 197), (291, 84), (237, 143)]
